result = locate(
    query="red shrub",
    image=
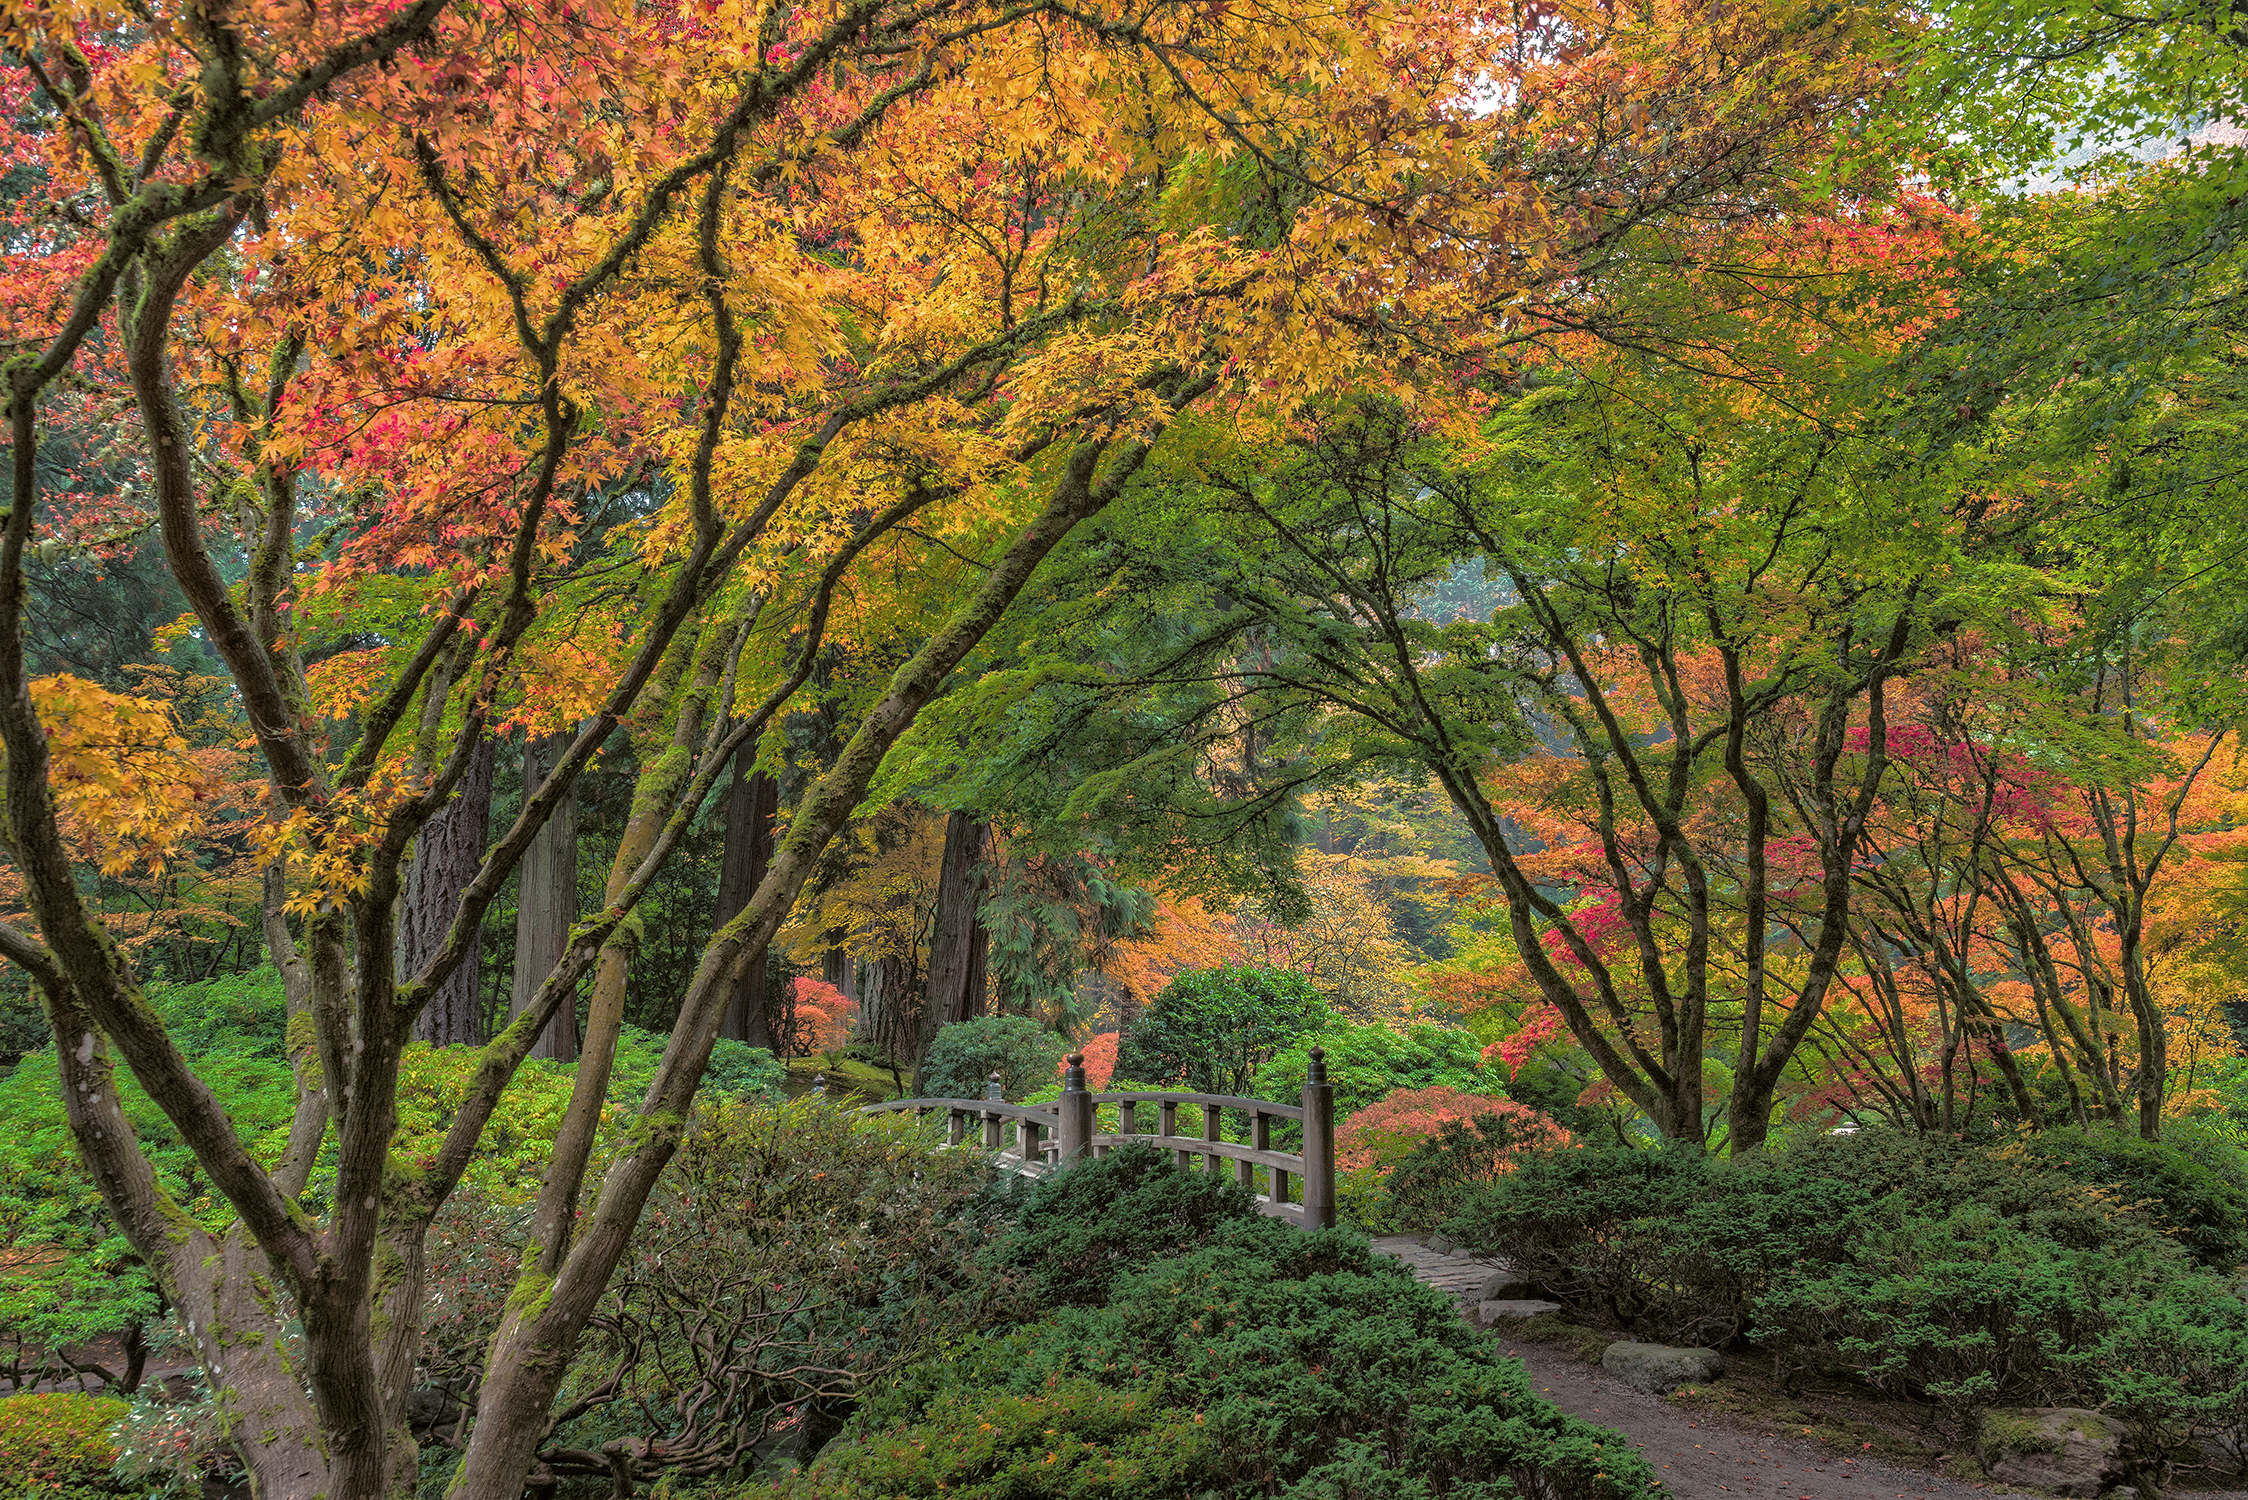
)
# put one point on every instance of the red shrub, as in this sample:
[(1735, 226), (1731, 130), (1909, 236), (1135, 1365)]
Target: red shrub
[(1385, 1133)]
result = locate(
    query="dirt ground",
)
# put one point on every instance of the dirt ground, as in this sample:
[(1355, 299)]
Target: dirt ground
[(1703, 1455)]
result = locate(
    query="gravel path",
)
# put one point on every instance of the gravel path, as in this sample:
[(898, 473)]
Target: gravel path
[(1704, 1458), (1698, 1456)]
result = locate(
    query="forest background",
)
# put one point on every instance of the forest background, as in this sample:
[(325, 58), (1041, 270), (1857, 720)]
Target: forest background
[(1670, 566)]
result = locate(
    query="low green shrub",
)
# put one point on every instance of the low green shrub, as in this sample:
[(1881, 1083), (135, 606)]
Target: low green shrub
[(2175, 1366), (736, 1068), (1272, 1362), (2057, 1270), (2098, 1190), (2204, 1210), (1670, 1244), (57, 1447), (1080, 1229), (1965, 1310), (1070, 1439), (965, 1054)]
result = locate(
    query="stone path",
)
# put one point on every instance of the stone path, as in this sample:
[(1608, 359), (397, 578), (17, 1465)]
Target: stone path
[(1696, 1456), (1458, 1273)]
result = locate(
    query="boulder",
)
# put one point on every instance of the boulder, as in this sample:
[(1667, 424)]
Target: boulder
[(1438, 1243), (1657, 1368), (1500, 1309), (1501, 1286), (2064, 1449), (1461, 1252)]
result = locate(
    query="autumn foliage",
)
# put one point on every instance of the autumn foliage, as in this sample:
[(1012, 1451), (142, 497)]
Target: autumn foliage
[(1383, 1134)]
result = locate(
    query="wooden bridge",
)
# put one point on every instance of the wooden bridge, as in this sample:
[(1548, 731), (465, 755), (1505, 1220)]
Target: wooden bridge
[(1038, 1138)]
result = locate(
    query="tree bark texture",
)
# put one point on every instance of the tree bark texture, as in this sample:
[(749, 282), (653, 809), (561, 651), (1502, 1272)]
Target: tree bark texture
[(752, 802), (957, 942), (547, 903), (446, 858)]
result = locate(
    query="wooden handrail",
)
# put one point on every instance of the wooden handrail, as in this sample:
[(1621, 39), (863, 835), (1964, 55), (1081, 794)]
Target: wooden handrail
[(1072, 1120), (1222, 1101)]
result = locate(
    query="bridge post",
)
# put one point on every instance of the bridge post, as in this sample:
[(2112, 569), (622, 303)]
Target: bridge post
[(994, 1126), (1319, 1144), (1074, 1123)]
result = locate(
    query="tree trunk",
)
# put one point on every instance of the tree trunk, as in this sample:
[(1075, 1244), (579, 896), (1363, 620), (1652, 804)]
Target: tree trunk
[(556, 1296), (752, 802), (548, 900), (957, 942), (447, 856)]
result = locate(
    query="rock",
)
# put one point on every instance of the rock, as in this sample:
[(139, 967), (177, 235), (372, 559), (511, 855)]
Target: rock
[(1657, 1368), (2064, 1449), (1461, 1252), (1499, 1286), (1439, 1244), (1500, 1309)]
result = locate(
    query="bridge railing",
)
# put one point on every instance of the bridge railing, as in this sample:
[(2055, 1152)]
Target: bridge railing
[(1298, 1186)]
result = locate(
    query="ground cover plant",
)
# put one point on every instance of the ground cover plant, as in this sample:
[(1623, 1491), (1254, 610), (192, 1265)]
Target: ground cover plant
[(1191, 1347), (1960, 1276)]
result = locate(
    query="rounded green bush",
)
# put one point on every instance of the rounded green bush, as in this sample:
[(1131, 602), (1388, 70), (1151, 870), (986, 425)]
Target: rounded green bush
[(1212, 1029), (1369, 1063), (965, 1054)]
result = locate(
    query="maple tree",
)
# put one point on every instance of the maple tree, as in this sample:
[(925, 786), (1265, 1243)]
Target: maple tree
[(552, 368)]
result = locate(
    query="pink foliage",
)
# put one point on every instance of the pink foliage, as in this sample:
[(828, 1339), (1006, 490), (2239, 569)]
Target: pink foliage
[(1540, 1024), (1100, 1061), (1384, 1133), (1603, 927)]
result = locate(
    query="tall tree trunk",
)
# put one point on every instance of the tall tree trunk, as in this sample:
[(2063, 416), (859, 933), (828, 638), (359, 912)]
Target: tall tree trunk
[(957, 942), (548, 900), (752, 802), (447, 856)]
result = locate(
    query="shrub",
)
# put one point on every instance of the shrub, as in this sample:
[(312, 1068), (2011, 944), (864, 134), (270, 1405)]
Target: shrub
[(792, 1252), (1669, 1243), (1385, 1133), (2175, 1366), (1081, 1228), (2205, 1210), (966, 1053), (58, 1446), (1444, 1170), (1070, 1438), (1962, 1309), (1311, 1366), (1212, 1029), (1366, 1063), (738, 1068), (2063, 1186)]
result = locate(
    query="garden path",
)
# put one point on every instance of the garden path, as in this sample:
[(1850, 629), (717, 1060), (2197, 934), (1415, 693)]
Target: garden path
[(1698, 1455)]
